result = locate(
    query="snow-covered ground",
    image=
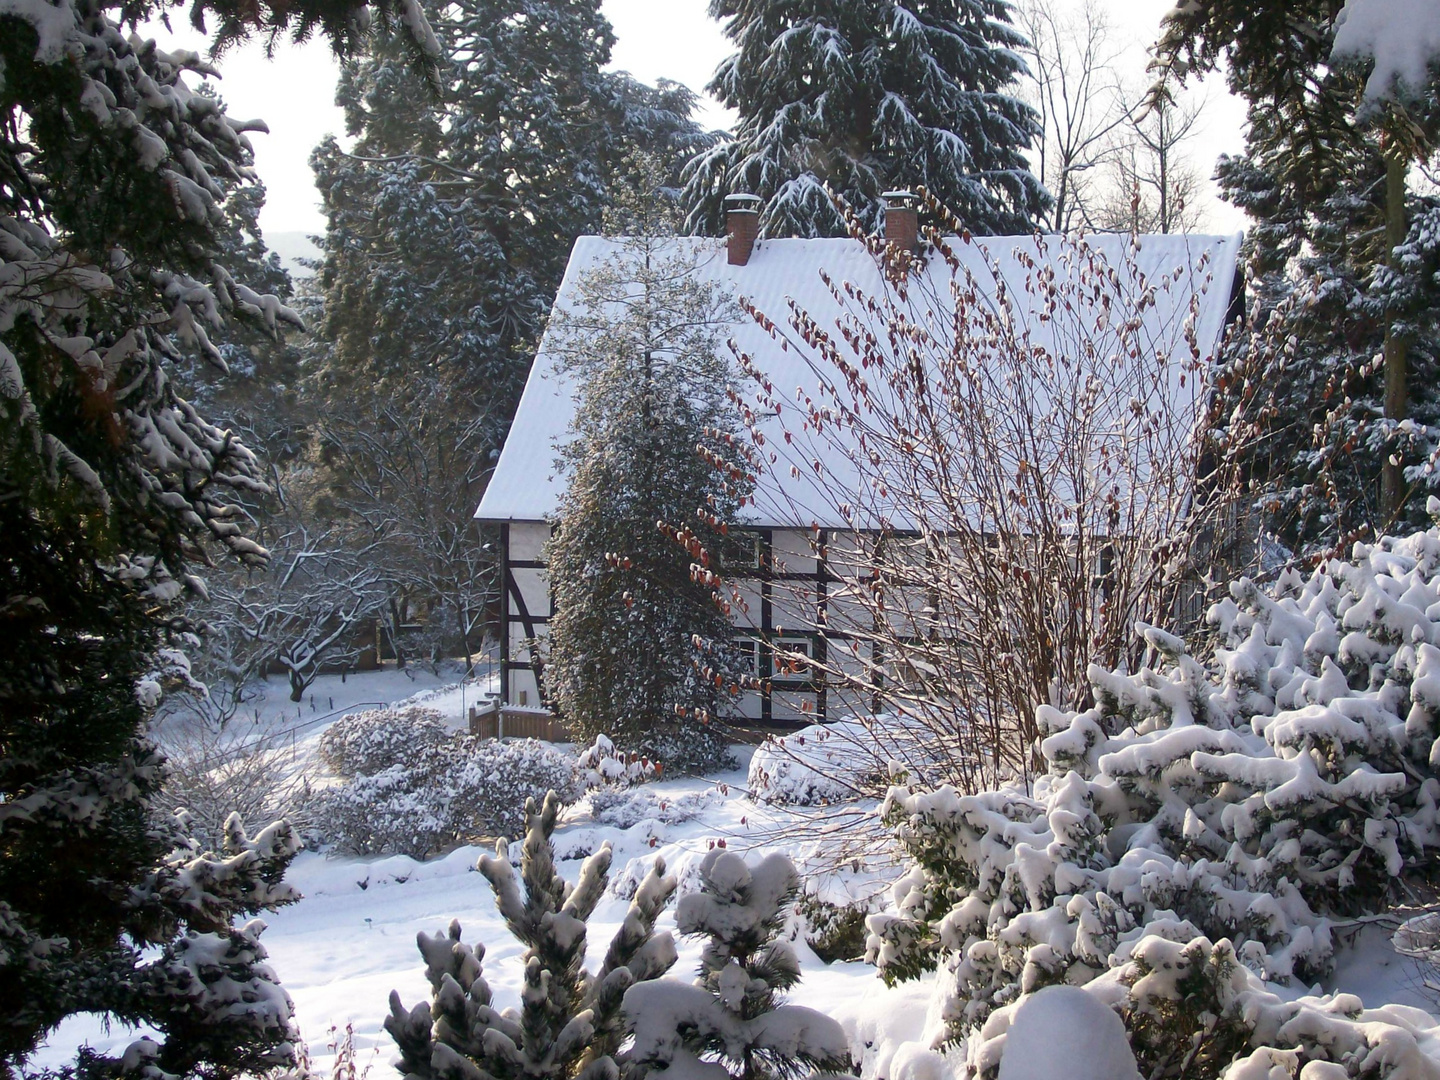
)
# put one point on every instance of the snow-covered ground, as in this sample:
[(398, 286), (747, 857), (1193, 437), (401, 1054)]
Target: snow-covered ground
[(351, 940), (268, 703)]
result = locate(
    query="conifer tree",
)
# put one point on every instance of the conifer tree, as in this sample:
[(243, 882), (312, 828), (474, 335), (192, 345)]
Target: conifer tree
[(1338, 262), (121, 179), (732, 1021), (569, 1025), (865, 96), (449, 221), (449, 224), (638, 648)]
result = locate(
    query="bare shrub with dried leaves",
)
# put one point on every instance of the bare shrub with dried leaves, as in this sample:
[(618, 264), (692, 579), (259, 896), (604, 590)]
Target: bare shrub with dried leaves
[(214, 771), (1023, 449)]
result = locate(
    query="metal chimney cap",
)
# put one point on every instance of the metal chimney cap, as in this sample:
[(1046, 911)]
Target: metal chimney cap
[(742, 201), (898, 196)]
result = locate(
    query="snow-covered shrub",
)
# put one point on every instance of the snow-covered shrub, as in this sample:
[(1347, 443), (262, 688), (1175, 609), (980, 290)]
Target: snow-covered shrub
[(397, 811), (570, 1024), (1242, 800), (733, 1015), (436, 794), (490, 781), (834, 931), (1193, 1009), (625, 809), (210, 775), (823, 763), (603, 766), (366, 743)]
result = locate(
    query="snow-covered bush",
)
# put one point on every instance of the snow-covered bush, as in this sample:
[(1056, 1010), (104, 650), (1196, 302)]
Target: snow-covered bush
[(1194, 1010), (396, 811), (835, 931), (604, 766), (822, 763), (569, 1025), (366, 743), (732, 1016), (1216, 814), (410, 787), (625, 808), (210, 775), (490, 781)]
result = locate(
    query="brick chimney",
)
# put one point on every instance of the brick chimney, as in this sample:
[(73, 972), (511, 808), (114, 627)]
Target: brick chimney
[(742, 224), (902, 221)]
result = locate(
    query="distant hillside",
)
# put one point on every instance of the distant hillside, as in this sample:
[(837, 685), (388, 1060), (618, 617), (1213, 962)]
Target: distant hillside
[(292, 247)]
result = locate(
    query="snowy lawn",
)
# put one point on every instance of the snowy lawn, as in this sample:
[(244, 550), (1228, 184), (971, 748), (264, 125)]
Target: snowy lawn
[(351, 940), (331, 696)]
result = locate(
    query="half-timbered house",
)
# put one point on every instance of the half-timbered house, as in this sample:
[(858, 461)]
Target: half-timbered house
[(778, 541)]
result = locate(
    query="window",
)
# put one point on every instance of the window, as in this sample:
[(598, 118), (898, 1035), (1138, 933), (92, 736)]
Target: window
[(793, 666), (742, 551), (747, 655)]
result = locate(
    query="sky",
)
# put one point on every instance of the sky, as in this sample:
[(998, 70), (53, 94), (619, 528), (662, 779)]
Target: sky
[(676, 39)]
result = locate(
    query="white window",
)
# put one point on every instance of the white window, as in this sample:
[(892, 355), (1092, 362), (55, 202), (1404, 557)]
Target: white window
[(746, 651), (790, 658)]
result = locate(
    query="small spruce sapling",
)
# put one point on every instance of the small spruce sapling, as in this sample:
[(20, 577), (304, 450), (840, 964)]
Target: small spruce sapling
[(570, 1023), (731, 1022)]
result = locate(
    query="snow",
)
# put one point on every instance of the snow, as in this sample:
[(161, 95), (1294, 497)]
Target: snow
[(818, 764), (1064, 1031), (351, 940), (268, 707), (1401, 36)]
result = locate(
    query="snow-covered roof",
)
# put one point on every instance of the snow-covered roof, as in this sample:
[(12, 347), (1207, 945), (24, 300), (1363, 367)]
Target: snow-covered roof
[(526, 485)]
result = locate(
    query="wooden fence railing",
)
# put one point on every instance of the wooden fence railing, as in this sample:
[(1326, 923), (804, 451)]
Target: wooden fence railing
[(494, 722)]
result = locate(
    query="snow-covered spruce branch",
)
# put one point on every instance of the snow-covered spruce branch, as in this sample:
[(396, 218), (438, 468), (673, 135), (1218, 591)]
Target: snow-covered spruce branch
[(569, 1024)]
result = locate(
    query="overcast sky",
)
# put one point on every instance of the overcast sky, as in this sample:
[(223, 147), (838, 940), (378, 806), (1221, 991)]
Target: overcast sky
[(676, 39)]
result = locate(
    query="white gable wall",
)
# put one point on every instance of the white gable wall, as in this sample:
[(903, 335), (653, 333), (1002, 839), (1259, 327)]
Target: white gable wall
[(525, 609)]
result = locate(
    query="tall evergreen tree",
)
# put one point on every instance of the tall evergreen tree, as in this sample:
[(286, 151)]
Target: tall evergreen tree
[(638, 647), (117, 180), (450, 222), (1339, 259), (864, 96)]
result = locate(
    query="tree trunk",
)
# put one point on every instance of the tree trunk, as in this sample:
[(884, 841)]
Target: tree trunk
[(464, 612), (1397, 345), (298, 683), (392, 631)]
